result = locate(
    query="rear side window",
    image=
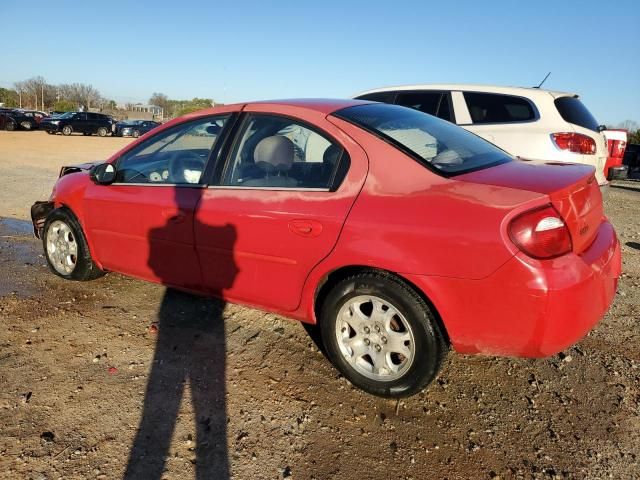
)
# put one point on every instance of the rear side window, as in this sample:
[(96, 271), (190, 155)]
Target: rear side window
[(496, 108), (572, 110), (433, 103), (383, 97)]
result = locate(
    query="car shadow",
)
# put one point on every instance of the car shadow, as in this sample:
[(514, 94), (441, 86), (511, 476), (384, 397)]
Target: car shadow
[(634, 245), (190, 356), (625, 187)]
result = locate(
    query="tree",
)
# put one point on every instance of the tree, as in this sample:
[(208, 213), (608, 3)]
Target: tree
[(64, 106), (8, 97), (20, 90), (160, 100)]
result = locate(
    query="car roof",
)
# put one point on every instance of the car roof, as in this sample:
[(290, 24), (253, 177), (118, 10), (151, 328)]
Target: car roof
[(321, 105), (521, 91)]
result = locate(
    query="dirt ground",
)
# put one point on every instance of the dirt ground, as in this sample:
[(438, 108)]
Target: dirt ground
[(117, 378)]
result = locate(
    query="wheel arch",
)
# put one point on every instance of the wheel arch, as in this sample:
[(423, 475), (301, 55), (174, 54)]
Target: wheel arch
[(332, 278)]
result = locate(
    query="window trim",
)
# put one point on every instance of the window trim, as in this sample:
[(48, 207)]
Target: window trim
[(536, 112), (222, 138), (239, 131)]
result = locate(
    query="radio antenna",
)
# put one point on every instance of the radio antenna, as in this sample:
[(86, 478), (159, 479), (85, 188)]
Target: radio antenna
[(543, 80)]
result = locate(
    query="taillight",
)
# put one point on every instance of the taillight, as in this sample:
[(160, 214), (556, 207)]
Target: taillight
[(574, 142), (541, 233), (617, 148)]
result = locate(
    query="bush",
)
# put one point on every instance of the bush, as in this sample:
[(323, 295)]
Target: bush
[(64, 106)]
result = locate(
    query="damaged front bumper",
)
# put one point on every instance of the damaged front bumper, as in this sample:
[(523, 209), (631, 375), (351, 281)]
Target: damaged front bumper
[(39, 213)]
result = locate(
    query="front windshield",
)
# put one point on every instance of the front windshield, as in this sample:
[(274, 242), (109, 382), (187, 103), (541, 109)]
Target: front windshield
[(439, 144)]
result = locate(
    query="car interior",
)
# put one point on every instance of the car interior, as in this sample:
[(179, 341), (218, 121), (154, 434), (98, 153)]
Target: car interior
[(276, 152)]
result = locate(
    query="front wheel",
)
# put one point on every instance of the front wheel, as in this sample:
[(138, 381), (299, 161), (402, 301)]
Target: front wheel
[(381, 335), (26, 125), (66, 249), (67, 130), (136, 134)]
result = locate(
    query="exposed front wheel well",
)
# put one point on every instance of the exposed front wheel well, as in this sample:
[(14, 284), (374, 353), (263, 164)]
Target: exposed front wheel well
[(336, 276)]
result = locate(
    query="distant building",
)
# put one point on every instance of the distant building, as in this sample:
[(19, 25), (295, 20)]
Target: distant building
[(157, 112)]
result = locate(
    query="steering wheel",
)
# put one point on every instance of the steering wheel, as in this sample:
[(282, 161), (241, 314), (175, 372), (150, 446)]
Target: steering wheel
[(181, 161)]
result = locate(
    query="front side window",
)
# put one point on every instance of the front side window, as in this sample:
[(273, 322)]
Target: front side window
[(438, 144), (175, 156), (279, 152), (384, 97), (433, 103), (496, 108)]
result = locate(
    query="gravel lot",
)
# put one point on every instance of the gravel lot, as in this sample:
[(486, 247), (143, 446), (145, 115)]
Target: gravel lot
[(96, 385)]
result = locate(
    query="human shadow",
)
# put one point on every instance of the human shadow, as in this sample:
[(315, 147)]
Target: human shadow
[(190, 349)]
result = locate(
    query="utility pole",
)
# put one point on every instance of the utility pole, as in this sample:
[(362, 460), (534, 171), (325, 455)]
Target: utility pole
[(42, 96)]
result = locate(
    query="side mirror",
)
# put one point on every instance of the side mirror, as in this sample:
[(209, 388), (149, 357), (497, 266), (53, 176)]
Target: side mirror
[(103, 174)]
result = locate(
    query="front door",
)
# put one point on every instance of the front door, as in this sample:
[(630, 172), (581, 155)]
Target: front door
[(277, 209), (142, 224)]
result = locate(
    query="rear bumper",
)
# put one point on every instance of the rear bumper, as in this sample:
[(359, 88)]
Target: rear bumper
[(619, 172), (529, 308)]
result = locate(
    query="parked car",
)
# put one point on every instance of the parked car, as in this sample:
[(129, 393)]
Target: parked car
[(632, 160), (87, 123), (12, 119), (395, 232), (530, 123), (134, 128), (616, 144), (37, 115)]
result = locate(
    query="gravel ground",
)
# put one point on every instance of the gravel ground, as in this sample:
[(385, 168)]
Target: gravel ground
[(119, 378)]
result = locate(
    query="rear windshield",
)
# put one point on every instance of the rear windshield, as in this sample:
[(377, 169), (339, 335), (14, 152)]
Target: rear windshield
[(438, 144), (573, 111)]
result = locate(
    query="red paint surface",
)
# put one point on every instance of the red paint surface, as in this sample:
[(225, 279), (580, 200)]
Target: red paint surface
[(446, 236)]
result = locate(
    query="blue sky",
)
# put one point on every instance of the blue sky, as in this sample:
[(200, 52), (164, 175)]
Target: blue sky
[(249, 50)]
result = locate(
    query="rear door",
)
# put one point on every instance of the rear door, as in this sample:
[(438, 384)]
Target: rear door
[(281, 198), (505, 120)]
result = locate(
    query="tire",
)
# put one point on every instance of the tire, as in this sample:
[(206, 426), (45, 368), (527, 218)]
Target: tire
[(67, 130), (10, 126), (26, 125), (407, 324), (62, 233), (102, 132), (135, 134), (49, 132)]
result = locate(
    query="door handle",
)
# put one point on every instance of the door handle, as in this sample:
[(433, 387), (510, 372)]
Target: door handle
[(306, 228)]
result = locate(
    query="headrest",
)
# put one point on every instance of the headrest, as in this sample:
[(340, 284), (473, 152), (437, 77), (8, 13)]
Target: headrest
[(276, 151)]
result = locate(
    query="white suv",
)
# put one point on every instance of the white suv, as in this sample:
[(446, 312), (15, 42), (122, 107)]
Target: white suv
[(529, 123)]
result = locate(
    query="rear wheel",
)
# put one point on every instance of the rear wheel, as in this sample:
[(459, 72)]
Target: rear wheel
[(102, 132), (381, 335), (67, 130), (136, 134), (10, 126), (66, 249)]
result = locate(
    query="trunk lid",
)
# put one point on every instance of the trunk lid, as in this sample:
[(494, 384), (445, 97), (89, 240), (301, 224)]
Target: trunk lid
[(572, 189)]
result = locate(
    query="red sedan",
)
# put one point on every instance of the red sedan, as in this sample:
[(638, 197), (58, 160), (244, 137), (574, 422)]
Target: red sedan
[(395, 232)]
